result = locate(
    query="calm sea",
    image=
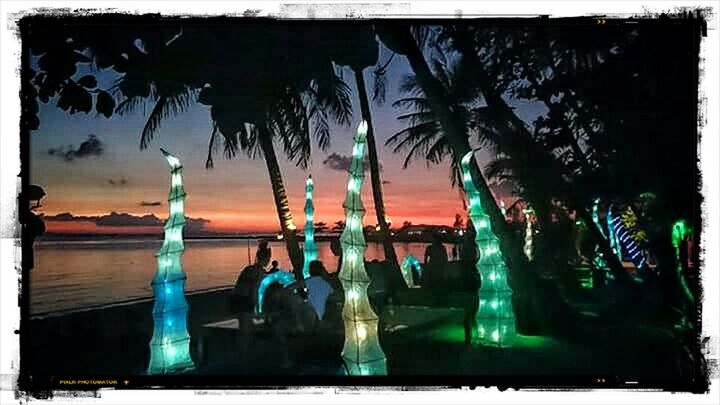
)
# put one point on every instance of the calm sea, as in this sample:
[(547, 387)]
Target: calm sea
[(78, 274)]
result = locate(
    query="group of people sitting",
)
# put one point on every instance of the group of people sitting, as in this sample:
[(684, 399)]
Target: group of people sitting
[(303, 303), (301, 306)]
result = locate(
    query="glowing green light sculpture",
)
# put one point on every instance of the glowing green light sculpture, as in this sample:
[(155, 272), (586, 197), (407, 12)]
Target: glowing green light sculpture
[(361, 352), (626, 243), (284, 278), (408, 263), (528, 247), (495, 317), (680, 232), (599, 258), (170, 344), (310, 249), (612, 233), (596, 216)]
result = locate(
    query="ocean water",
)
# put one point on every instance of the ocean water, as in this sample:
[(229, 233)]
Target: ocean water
[(79, 274)]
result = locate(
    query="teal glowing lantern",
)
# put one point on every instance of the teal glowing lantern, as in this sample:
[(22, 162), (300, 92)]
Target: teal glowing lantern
[(599, 260), (170, 344), (283, 278), (680, 232), (408, 263), (495, 317), (612, 233), (528, 246), (596, 216), (362, 353), (310, 250)]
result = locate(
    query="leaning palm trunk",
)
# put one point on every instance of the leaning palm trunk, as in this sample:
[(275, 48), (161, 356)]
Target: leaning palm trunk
[(375, 180), (540, 171), (525, 284), (282, 205), (455, 129)]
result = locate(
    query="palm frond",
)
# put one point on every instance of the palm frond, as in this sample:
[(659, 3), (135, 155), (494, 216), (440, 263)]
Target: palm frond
[(130, 105), (455, 175), (405, 137), (209, 164), (500, 169), (418, 149), (379, 87), (380, 81), (416, 103), (165, 106), (334, 95), (409, 85)]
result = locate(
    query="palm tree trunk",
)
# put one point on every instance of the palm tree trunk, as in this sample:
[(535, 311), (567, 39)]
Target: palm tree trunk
[(527, 291), (542, 172), (454, 127), (375, 180), (282, 205)]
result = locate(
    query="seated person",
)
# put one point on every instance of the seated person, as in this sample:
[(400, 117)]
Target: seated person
[(273, 267), (318, 289), (244, 295), (435, 253)]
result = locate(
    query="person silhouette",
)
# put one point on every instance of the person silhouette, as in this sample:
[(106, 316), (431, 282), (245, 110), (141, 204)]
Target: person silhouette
[(273, 267), (435, 253), (244, 295), (471, 282)]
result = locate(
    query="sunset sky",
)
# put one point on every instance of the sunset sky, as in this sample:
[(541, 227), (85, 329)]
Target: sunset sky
[(110, 173)]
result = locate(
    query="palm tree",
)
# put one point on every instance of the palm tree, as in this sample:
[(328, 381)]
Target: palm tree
[(423, 136), (355, 46), (399, 39), (251, 109), (539, 172)]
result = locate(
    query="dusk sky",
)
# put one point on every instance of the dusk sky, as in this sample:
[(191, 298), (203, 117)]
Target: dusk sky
[(111, 174)]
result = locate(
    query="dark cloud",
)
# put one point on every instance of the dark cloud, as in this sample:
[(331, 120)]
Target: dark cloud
[(92, 146), (386, 182), (342, 163), (124, 219), (194, 225), (150, 203), (120, 182), (66, 216)]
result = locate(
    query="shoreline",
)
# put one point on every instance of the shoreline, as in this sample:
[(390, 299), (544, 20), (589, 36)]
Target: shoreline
[(123, 303)]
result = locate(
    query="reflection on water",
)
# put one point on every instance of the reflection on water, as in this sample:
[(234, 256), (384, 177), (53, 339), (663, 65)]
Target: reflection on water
[(76, 274)]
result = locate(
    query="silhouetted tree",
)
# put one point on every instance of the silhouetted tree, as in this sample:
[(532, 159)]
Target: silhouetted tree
[(355, 46), (276, 86)]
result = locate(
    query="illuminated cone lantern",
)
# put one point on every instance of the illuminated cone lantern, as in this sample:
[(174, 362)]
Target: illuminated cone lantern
[(528, 247), (283, 278), (599, 259), (310, 250), (170, 344), (361, 352), (407, 267), (495, 317), (596, 215), (612, 233), (680, 232)]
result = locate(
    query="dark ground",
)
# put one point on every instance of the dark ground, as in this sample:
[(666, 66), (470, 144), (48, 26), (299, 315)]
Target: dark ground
[(113, 342)]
